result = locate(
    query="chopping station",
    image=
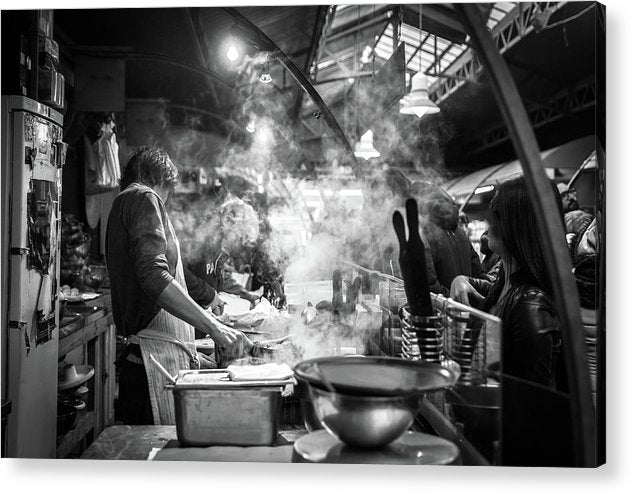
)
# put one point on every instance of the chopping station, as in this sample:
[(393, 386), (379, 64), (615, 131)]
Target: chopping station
[(308, 234)]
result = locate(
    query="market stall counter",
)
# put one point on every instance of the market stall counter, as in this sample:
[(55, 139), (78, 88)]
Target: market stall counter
[(160, 443), (293, 445)]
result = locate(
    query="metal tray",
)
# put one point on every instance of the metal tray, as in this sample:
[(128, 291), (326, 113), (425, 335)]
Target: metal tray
[(220, 380), (210, 410)]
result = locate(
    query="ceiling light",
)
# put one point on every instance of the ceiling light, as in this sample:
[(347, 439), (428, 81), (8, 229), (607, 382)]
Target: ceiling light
[(417, 102), (265, 77), (232, 54), (351, 80), (484, 189), (251, 127), (365, 148), (366, 54)]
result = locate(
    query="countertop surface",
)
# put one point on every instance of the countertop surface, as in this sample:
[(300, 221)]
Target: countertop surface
[(160, 443), (77, 315), (122, 442)]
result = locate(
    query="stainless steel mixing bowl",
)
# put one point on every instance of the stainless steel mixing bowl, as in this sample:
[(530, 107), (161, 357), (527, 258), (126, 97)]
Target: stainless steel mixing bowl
[(365, 421)]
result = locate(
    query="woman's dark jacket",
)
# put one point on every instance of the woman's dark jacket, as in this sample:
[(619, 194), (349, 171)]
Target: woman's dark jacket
[(536, 420), (531, 336)]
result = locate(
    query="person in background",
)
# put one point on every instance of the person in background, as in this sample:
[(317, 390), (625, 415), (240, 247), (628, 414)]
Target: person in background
[(463, 222), (535, 420), (451, 251), (238, 229), (490, 257), (568, 197), (150, 302)]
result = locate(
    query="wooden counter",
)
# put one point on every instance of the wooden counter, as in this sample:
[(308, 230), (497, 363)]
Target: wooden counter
[(137, 443)]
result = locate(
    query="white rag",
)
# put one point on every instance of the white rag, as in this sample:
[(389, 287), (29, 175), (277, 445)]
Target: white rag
[(268, 371)]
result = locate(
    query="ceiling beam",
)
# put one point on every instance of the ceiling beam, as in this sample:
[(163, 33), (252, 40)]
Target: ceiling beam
[(254, 35), (438, 59), (535, 71), (564, 104), (417, 49), (191, 17), (130, 54), (366, 19), (318, 30), (437, 19), (356, 75), (507, 33)]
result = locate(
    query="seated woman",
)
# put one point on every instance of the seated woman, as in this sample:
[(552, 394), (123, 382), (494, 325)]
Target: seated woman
[(535, 418)]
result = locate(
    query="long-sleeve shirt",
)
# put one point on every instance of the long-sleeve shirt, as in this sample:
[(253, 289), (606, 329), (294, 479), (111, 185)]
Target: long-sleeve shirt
[(141, 254), (202, 293), (217, 272), (452, 255)]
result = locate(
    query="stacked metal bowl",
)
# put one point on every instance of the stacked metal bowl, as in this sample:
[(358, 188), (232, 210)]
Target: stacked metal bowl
[(369, 402)]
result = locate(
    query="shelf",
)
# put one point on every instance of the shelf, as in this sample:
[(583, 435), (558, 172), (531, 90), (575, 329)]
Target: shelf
[(70, 440), (86, 330)]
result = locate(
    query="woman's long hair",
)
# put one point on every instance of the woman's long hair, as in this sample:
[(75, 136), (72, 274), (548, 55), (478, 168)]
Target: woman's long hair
[(513, 220)]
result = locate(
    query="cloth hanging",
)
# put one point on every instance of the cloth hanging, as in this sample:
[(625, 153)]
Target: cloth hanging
[(108, 171)]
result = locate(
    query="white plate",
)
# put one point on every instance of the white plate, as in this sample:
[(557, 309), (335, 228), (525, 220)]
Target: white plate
[(82, 297)]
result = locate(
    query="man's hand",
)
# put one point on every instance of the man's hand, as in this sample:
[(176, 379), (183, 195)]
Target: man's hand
[(461, 290), (253, 298), (229, 343), (206, 362), (217, 305)]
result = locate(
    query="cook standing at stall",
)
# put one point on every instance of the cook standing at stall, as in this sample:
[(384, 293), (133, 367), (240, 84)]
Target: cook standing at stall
[(150, 302)]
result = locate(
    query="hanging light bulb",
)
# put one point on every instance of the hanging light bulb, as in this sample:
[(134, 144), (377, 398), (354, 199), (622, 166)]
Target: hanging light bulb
[(265, 77), (366, 54), (365, 148), (417, 102), (232, 54)]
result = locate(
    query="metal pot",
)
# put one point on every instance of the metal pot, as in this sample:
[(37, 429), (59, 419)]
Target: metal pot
[(365, 421), (66, 418), (309, 416)]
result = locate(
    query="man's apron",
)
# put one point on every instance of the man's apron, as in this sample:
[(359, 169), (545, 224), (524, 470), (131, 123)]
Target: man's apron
[(172, 343)]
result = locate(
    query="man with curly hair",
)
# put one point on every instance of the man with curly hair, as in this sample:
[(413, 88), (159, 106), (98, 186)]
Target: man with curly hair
[(150, 301)]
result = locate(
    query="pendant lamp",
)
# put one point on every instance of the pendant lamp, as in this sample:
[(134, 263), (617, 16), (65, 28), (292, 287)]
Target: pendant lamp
[(265, 77), (365, 148), (417, 102)]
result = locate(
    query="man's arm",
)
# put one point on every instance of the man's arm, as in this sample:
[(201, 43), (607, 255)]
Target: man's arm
[(177, 302), (233, 287)]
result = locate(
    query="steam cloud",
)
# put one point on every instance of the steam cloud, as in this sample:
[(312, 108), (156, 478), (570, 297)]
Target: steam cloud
[(306, 245)]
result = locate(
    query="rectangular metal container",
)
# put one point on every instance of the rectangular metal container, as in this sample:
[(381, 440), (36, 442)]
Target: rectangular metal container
[(211, 410)]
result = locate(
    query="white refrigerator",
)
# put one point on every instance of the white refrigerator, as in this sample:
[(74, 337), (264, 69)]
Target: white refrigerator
[(32, 157)]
